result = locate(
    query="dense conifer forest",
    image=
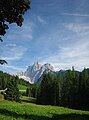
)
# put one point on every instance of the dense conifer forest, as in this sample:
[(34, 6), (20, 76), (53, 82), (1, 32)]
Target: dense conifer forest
[(68, 88)]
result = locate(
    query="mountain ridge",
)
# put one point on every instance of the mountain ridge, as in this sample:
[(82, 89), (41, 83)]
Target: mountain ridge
[(34, 72)]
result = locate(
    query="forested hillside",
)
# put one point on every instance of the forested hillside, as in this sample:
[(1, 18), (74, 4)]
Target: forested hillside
[(69, 89), (5, 78)]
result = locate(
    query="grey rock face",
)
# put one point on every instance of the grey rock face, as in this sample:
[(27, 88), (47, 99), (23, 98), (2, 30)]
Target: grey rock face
[(34, 72)]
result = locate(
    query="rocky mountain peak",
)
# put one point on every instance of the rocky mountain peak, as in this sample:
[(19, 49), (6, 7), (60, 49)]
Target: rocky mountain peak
[(49, 66), (37, 66), (35, 71)]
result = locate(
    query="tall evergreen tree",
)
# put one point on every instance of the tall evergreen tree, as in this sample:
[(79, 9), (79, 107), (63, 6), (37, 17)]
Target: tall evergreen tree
[(49, 90), (70, 88), (83, 90), (12, 92)]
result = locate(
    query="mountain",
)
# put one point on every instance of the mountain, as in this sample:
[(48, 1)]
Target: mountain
[(34, 72), (21, 74)]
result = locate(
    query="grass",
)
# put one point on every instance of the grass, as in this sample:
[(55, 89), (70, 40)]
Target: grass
[(29, 111), (28, 99), (22, 87), (1, 97)]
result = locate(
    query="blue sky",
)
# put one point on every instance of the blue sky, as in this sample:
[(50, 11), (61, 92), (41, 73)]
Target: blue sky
[(53, 31)]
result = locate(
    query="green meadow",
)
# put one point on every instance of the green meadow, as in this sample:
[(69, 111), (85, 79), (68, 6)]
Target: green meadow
[(29, 111), (22, 87)]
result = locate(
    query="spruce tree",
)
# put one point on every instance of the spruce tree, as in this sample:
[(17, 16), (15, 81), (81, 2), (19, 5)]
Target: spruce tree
[(70, 88), (49, 90), (12, 92), (84, 90)]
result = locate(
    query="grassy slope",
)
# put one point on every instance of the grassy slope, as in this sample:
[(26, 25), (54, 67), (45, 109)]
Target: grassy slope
[(1, 97), (22, 87), (28, 99), (29, 111)]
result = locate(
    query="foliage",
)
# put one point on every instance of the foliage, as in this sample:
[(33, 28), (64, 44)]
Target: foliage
[(11, 11), (4, 79), (83, 91), (32, 90), (49, 90), (12, 93), (70, 89), (3, 62)]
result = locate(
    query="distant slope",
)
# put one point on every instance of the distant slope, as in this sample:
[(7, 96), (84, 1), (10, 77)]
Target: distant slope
[(5, 78), (22, 87)]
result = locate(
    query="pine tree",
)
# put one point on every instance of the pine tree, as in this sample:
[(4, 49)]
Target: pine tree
[(84, 90), (70, 88), (49, 90), (12, 92)]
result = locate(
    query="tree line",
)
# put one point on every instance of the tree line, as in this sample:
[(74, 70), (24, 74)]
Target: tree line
[(69, 89), (10, 83), (5, 79)]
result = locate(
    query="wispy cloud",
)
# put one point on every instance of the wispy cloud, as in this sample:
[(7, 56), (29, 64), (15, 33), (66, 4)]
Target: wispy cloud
[(75, 54), (56, 32), (11, 45), (41, 20), (23, 33), (12, 68), (14, 53), (79, 29), (51, 4), (75, 14)]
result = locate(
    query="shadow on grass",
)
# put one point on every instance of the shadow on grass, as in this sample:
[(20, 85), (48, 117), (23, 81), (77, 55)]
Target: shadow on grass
[(70, 117), (29, 101), (36, 117), (24, 116)]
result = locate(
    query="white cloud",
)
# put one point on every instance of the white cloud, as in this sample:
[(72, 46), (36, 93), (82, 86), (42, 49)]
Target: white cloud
[(41, 20), (75, 14), (11, 45), (82, 30), (11, 67), (76, 54), (59, 63), (14, 53), (21, 33), (51, 4)]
